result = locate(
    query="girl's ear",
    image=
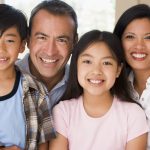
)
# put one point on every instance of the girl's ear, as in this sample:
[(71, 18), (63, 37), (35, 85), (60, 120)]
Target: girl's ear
[(119, 70), (22, 47)]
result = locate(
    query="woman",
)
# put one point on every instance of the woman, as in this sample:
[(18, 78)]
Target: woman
[(133, 29)]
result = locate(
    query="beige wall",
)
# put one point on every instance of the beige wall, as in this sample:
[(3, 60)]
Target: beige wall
[(1, 1), (122, 5)]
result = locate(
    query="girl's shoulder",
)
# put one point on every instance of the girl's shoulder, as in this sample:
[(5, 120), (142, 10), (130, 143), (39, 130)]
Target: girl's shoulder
[(70, 104), (128, 107)]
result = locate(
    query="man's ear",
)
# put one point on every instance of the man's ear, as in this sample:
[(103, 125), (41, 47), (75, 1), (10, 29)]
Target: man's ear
[(76, 39), (74, 42), (119, 69), (22, 47), (28, 41)]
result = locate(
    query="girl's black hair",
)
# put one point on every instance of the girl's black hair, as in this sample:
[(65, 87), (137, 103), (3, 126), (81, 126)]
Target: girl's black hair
[(121, 88), (9, 17)]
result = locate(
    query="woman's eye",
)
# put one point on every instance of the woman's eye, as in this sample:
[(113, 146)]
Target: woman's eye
[(129, 37)]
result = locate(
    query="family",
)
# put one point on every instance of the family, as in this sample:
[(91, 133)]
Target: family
[(100, 101)]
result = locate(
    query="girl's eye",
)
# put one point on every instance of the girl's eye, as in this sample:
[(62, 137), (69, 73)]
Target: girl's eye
[(107, 63), (87, 62)]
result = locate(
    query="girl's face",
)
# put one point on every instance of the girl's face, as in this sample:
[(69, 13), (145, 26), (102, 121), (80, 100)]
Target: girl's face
[(97, 69), (136, 43)]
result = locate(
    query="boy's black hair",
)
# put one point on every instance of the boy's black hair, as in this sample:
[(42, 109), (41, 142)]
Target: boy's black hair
[(55, 7), (121, 88), (9, 17)]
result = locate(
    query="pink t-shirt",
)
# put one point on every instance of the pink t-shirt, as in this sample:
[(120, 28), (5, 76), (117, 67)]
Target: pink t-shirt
[(123, 122)]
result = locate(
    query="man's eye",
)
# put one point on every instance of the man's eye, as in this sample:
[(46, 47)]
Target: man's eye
[(147, 37), (63, 40), (41, 37)]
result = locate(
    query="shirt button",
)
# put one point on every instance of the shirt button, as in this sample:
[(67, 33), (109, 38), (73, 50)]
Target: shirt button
[(142, 99)]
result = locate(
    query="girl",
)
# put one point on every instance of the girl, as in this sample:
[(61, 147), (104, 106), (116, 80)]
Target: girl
[(99, 112), (133, 29)]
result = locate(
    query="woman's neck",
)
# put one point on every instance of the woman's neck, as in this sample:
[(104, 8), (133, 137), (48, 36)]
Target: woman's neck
[(140, 79)]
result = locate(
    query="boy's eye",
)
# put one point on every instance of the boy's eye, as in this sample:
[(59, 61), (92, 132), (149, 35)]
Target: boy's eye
[(10, 41)]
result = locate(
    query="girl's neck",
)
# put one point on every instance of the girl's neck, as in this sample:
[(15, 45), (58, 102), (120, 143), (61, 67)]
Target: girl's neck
[(97, 106), (140, 78)]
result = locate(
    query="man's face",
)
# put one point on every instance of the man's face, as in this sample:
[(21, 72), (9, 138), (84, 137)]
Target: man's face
[(50, 44)]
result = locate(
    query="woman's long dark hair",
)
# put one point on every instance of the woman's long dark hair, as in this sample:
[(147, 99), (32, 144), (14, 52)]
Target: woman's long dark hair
[(135, 12)]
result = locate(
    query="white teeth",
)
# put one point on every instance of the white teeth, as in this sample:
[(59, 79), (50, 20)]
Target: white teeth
[(3, 59), (138, 55), (49, 60), (95, 81)]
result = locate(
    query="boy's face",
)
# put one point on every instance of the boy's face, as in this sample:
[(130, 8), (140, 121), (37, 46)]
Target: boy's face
[(10, 46)]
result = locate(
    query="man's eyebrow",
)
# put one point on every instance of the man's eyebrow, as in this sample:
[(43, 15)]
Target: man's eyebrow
[(40, 33), (65, 37), (147, 33)]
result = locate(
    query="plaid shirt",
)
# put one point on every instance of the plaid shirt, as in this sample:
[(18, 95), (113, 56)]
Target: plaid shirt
[(39, 124)]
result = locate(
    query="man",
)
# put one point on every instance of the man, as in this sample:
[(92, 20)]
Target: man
[(52, 36)]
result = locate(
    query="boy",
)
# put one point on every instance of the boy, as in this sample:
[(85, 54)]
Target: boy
[(25, 119)]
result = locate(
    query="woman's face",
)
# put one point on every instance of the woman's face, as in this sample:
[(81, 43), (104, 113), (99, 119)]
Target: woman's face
[(136, 43)]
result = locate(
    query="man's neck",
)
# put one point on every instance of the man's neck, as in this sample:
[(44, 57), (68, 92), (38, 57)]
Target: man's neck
[(51, 82)]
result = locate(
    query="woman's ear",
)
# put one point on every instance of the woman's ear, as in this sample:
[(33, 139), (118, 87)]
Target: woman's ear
[(119, 70), (22, 46)]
